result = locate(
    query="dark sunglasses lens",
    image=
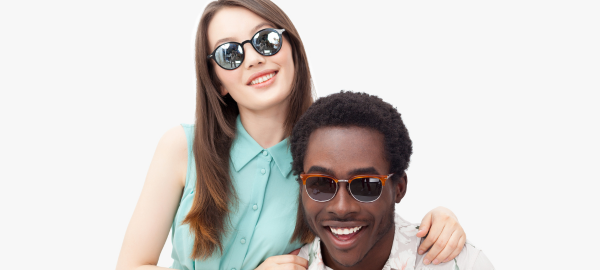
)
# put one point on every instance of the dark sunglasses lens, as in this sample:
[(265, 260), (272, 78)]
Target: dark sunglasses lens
[(320, 188), (267, 42), (229, 55), (366, 189)]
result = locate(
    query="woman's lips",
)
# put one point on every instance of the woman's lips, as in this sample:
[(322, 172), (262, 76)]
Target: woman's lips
[(264, 80)]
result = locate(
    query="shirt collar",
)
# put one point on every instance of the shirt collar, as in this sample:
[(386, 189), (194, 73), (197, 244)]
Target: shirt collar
[(245, 148)]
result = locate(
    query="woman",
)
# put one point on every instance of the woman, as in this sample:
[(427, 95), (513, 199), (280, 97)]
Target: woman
[(224, 185)]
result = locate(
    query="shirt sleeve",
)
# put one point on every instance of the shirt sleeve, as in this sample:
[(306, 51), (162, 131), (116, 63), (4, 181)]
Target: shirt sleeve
[(482, 262), (470, 258)]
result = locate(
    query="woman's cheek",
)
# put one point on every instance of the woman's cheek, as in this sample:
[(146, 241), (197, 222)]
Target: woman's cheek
[(229, 79)]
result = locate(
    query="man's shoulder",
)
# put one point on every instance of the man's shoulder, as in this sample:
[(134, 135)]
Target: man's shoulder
[(404, 256), (469, 258)]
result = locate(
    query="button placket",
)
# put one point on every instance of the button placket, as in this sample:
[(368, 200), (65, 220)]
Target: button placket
[(262, 178)]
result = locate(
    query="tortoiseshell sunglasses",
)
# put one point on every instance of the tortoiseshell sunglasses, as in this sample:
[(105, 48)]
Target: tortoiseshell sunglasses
[(364, 188)]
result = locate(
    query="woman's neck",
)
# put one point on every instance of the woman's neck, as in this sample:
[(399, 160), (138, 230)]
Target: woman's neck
[(267, 128)]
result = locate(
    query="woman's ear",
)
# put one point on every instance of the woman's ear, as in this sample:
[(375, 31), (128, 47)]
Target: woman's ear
[(400, 187), (224, 91)]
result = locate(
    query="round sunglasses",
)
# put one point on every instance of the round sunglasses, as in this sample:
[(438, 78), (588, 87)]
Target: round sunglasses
[(364, 188), (230, 55)]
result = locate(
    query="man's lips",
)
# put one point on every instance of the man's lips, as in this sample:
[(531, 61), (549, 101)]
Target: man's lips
[(345, 236)]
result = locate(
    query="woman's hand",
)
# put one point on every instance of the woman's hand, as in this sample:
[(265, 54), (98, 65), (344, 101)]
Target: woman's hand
[(445, 236), (286, 262)]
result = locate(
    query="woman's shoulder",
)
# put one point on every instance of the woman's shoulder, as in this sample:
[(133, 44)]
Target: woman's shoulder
[(173, 148), (175, 139)]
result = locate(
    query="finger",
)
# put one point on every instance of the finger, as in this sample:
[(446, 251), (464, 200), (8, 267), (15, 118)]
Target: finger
[(432, 236), (295, 260), (436, 244), (461, 245), (290, 266), (288, 259), (295, 252), (425, 224), (440, 244), (450, 247)]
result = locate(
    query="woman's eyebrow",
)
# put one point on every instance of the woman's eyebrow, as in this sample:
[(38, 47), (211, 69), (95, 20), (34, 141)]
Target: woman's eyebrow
[(259, 26), (221, 41), (252, 31)]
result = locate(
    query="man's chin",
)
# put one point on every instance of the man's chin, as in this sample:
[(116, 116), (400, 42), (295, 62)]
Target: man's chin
[(347, 260)]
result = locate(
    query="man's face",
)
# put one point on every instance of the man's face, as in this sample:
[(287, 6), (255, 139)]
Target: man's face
[(343, 152)]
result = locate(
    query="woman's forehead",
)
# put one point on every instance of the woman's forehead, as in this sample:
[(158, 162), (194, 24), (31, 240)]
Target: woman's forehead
[(234, 24)]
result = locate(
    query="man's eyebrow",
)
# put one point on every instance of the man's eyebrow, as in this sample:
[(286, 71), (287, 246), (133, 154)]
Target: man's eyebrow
[(370, 170), (320, 169), (252, 31), (359, 171)]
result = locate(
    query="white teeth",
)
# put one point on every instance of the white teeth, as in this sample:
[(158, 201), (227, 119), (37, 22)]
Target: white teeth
[(344, 231), (262, 79)]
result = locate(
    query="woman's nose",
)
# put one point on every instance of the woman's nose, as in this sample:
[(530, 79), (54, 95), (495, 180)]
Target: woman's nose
[(343, 204), (252, 58)]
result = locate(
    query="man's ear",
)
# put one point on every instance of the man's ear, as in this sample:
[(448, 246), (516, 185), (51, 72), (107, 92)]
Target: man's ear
[(400, 187)]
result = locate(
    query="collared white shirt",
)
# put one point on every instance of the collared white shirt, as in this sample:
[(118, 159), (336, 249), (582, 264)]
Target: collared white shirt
[(404, 256)]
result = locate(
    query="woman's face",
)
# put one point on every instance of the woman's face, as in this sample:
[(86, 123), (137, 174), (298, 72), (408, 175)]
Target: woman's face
[(238, 24)]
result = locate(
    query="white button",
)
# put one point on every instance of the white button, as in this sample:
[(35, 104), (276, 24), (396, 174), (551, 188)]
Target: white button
[(263, 171), (254, 207), (232, 268), (265, 153), (243, 241)]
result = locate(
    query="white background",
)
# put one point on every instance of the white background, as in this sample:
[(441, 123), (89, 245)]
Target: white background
[(500, 98)]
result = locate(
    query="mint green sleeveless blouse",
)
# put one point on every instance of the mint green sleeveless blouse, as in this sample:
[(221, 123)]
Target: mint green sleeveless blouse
[(265, 219)]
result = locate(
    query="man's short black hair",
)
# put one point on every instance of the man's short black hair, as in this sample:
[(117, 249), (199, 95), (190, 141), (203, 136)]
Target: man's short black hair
[(354, 109)]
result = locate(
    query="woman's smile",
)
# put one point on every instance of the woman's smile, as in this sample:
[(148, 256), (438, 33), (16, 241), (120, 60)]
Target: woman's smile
[(262, 79)]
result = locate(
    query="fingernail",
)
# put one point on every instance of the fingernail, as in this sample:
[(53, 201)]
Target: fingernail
[(426, 261), (436, 261), (421, 252)]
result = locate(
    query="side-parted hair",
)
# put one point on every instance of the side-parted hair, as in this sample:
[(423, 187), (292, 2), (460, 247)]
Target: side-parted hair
[(215, 126), (347, 109)]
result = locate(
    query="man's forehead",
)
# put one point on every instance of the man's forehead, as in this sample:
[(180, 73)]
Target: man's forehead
[(346, 151)]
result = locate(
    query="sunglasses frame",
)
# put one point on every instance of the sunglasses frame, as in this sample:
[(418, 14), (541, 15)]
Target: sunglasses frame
[(278, 31), (381, 178)]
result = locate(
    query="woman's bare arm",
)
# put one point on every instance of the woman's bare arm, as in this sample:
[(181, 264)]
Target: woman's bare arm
[(153, 215)]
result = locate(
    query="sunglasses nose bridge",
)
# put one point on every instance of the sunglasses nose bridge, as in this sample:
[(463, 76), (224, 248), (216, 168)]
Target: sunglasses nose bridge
[(343, 203), (251, 55)]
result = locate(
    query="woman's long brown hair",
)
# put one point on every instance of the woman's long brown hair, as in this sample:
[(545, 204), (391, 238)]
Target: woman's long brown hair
[(215, 126)]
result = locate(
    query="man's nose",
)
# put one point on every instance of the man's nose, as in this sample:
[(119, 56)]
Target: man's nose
[(343, 204), (251, 57)]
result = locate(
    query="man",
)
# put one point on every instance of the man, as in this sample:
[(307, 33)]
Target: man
[(350, 151)]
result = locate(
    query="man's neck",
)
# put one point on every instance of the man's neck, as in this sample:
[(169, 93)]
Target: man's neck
[(375, 258)]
